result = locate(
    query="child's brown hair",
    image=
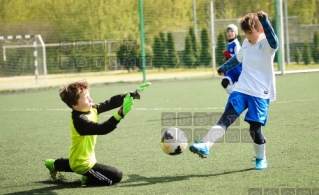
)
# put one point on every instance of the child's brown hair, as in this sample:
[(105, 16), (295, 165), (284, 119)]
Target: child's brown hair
[(70, 93), (250, 22)]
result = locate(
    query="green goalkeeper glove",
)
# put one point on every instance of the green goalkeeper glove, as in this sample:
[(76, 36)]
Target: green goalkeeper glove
[(137, 93), (125, 108)]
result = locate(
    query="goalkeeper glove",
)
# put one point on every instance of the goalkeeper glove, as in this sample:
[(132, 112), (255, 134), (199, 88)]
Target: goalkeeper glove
[(137, 93), (125, 108)]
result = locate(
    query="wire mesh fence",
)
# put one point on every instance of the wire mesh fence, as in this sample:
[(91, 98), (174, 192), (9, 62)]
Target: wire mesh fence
[(97, 36)]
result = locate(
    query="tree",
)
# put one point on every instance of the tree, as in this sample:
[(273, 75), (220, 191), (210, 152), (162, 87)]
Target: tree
[(189, 59), (194, 45), (305, 10), (127, 57), (221, 41), (157, 53), (315, 49), (205, 55), (297, 55), (71, 20), (148, 57), (306, 56), (172, 57), (163, 49)]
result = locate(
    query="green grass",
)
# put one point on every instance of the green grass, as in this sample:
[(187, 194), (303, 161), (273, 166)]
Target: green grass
[(35, 126)]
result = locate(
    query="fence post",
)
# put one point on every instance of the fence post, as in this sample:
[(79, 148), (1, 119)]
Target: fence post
[(280, 34), (142, 38), (212, 36)]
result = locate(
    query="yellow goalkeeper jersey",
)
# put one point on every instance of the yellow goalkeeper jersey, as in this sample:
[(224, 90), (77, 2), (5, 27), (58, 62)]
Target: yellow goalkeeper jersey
[(84, 131)]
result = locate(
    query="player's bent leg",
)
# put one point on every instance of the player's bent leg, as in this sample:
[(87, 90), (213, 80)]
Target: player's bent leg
[(261, 164), (215, 133), (102, 175), (57, 166), (199, 148), (226, 83), (257, 117), (49, 164), (259, 145), (63, 165), (229, 116), (202, 148)]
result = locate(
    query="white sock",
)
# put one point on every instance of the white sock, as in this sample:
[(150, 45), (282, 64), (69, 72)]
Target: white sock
[(260, 150), (229, 88), (214, 134)]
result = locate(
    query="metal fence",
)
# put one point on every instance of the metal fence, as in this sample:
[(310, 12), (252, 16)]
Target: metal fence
[(93, 36)]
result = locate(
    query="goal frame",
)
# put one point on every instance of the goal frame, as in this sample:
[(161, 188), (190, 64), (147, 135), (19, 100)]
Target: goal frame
[(35, 52)]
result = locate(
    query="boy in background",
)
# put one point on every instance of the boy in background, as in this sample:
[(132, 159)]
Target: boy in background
[(255, 88), (84, 131), (233, 46)]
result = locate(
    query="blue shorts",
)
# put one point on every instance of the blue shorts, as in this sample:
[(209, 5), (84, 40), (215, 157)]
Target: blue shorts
[(257, 107), (234, 73)]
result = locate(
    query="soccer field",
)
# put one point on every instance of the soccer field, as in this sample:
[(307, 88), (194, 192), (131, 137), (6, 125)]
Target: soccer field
[(35, 126)]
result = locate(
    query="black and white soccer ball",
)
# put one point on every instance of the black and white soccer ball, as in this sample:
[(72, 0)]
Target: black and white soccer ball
[(173, 141)]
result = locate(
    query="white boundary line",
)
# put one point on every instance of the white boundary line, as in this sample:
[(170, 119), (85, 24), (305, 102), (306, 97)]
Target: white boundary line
[(297, 71), (155, 109)]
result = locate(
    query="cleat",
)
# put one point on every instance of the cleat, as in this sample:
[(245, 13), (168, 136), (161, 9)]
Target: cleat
[(84, 180), (261, 164), (49, 163), (199, 148)]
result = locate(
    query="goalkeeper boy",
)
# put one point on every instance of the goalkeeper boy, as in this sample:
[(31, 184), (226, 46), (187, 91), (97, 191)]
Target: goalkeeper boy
[(84, 131)]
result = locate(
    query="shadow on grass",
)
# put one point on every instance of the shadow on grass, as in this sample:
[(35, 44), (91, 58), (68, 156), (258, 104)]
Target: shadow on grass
[(135, 180), (54, 185)]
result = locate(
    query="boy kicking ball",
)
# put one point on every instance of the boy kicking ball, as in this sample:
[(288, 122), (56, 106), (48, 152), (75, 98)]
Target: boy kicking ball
[(255, 88), (84, 131)]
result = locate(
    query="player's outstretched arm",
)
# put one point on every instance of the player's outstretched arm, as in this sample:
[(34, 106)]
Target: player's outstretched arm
[(110, 104), (125, 108), (269, 31), (117, 100), (86, 127), (137, 93)]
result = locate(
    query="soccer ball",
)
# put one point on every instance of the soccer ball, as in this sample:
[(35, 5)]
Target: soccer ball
[(173, 141)]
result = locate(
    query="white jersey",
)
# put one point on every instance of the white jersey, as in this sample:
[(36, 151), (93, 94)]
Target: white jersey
[(257, 77)]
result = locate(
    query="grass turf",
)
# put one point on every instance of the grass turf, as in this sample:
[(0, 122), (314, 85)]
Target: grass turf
[(35, 126)]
